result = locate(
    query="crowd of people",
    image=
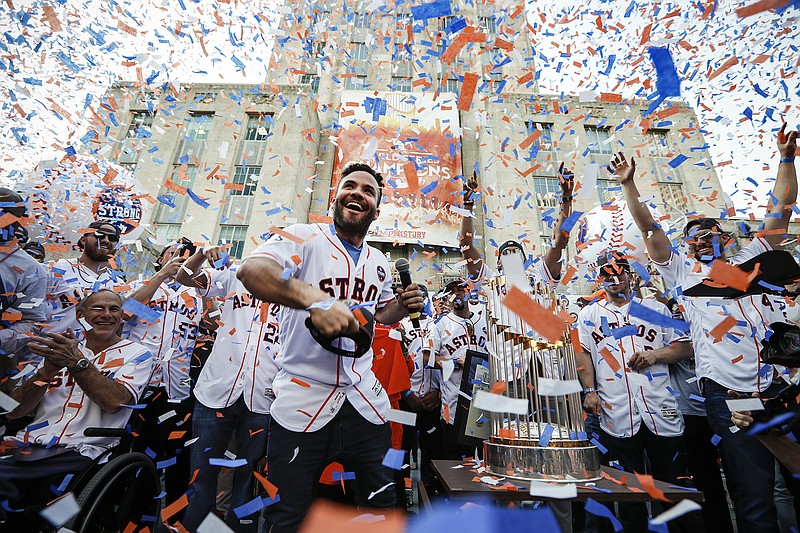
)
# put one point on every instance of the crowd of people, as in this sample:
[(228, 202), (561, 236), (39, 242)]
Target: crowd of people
[(262, 373)]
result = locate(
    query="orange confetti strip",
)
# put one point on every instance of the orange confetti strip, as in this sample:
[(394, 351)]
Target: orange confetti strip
[(319, 219), (176, 435), (502, 43), (542, 320), (729, 275), (759, 7), (130, 528), (170, 510), (271, 489), (722, 328), (610, 360), (650, 486), (410, 171), (737, 359), (300, 382), (524, 145), (467, 93), (499, 387), (51, 18), (286, 235), (127, 29), (725, 66)]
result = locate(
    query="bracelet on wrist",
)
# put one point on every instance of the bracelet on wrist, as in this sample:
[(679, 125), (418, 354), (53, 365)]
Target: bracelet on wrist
[(587, 390), (787, 159), (470, 203), (567, 198)]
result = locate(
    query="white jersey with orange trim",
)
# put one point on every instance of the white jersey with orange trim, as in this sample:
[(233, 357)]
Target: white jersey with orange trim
[(69, 282), (171, 339), (243, 359), (425, 378), (452, 337), (730, 358), (66, 410), (313, 382), (629, 397)]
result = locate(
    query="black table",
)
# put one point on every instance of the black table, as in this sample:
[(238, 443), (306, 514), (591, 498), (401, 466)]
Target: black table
[(458, 484)]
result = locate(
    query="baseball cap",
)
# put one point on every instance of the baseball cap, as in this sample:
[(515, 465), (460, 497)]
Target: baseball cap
[(106, 228), (34, 249), (509, 244), (701, 223), (453, 284), (612, 263), (12, 202)]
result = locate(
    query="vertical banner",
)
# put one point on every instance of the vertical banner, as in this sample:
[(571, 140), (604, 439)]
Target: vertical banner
[(414, 142)]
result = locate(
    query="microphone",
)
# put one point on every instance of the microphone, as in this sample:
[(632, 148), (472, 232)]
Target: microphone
[(402, 267)]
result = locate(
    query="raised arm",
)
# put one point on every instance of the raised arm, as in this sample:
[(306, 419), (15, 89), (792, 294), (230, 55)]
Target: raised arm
[(467, 238), (657, 243), (190, 273), (552, 258), (784, 194), (145, 293)]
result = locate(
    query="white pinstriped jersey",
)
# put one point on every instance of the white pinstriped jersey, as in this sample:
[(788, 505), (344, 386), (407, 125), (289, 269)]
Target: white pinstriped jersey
[(69, 282), (66, 411), (424, 378), (452, 337), (243, 359), (629, 397), (171, 339), (732, 360), (313, 382)]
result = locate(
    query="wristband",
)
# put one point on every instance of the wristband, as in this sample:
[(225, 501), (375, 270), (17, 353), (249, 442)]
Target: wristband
[(787, 160), (567, 198), (407, 393), (470, 203), (587, 390)]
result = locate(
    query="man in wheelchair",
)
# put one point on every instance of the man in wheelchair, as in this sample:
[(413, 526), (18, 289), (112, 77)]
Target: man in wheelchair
[(77, 385)]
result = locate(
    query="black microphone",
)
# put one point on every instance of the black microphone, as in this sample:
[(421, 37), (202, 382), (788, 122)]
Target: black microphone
[(403, 271)]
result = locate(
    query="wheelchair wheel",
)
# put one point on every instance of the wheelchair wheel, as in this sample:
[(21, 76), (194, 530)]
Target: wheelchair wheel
[(124, 490)]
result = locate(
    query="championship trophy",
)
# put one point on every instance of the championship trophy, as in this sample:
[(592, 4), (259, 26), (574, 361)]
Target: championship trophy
[(549, 442)]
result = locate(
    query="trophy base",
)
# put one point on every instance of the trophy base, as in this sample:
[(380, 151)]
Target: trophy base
[(574, 464)]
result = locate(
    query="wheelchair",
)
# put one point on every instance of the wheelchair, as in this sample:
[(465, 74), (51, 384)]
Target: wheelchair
[(123, 492)]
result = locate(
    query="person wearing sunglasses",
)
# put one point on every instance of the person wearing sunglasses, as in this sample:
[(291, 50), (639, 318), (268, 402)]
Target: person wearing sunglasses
[(727, 358), (71, 279)]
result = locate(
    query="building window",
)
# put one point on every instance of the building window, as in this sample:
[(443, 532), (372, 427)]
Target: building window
[(444, 22), (246, 177), (607, 190), (311, 80), (401, 85), (139, 119), (355, 83), (669, 180), (198, 125), (451, 86), (360, 53), (235, 236), (173, 209), (489, 25), (205, 97), (548, 191), (166, 233), (257, 127), (546, 138), (597, 139)]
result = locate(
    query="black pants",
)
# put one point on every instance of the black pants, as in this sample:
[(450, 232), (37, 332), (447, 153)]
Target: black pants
[(427, 434), (703, 461), (154, 439), (667, 457), (296, 461)]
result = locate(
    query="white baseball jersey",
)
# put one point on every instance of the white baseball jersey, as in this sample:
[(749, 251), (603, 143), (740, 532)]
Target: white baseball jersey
[(66, 410), (171, 339), (243, 359), (313, 382), (69, 282), (452, 337), (732, 358), (424, 378), (630, 397)]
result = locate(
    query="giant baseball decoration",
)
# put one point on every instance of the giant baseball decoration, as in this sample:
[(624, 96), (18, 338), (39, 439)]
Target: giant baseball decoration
[(605, 228), (66, 196)]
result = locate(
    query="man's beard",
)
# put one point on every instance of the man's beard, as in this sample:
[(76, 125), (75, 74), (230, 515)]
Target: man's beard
[(358, 227), (97, 255)]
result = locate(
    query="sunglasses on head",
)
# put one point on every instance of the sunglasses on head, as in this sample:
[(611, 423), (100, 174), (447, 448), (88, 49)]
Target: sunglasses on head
[(110, 236)]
